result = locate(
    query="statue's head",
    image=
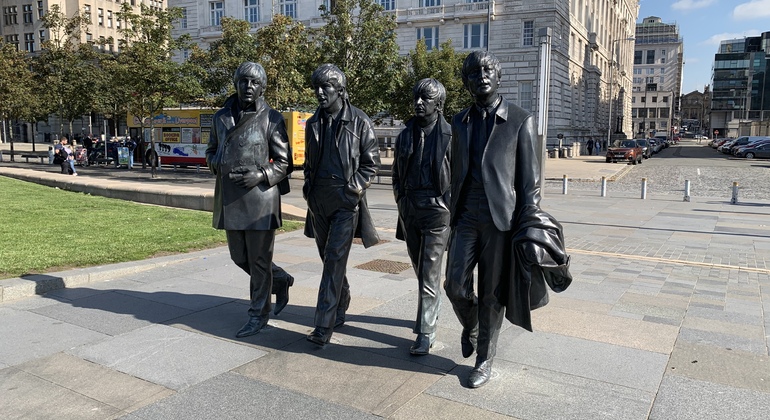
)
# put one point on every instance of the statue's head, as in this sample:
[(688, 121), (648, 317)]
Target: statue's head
[(481, 73), (429, 97), (330, 85), (250, 81)]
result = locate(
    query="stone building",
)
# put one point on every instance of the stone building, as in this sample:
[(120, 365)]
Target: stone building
[(590, 40), (658, 64)]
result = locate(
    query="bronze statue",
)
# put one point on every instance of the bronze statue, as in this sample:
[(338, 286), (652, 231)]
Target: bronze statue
[(421, 187), (250, 154), (341, 160), (496, 220)]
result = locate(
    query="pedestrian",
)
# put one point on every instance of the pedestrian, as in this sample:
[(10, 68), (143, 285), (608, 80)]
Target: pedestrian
[(421, 187), (51, 155), (131, 145), (590, 147), (249, 153), (597, 147), (341, 160), (496, 222)]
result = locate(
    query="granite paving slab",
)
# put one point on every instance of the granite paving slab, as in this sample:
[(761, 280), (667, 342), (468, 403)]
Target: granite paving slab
[(24, 396), (343, 374), (532, 393), (112, 313), (613, 364), (123, 392), (233, 396), (684, 398), (733, 368), (26, 336), (168, 356), (428, 407)]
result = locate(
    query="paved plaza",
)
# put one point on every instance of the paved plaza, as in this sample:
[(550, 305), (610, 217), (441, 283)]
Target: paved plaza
[(668, 317)]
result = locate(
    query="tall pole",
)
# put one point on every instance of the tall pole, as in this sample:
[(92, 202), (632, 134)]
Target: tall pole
[(544, 82), (613, 63)]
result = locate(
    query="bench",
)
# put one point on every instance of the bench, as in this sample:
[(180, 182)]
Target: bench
[(42, 158)]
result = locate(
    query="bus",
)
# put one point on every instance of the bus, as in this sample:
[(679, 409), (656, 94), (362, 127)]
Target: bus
[(181, 135)]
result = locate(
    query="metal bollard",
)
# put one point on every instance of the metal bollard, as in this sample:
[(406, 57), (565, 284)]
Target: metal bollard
[(734, 199), (644, 188), (604, 186), (564, 184), (687, 190)]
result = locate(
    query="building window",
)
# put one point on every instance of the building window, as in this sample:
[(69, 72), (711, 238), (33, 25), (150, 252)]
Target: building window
[(13, 40), (430, 3), (10, 14), (430, 35), (27, 8), (100, 16), (388, 4), (637, 57), (186, 54), (528, 37), (643, 99), (652, 125), (289, 8), (654, 99), (109, 18), (665, 99), (42, 37), (637, 71), (662, 80), (650, 71), (29, 42), (662, 70), (183, 19), (87, 11), (475, 35), (650, 56), (40, 10), (525, 95), (217, 9), (664, 112), (252, 10)]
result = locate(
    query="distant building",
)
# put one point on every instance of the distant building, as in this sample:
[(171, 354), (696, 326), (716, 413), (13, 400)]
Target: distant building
[(590, 39), (695, 109), (740, 90), (658, 63)]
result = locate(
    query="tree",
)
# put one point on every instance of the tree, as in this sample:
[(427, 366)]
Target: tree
[(145, 64), (67, 68), (289, 58), (16, 88), (361, 40), (444, 65), (216, 66)]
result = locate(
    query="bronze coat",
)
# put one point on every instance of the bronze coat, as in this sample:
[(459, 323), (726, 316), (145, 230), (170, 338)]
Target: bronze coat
[(360, 157), (258, 142), (442, 158)]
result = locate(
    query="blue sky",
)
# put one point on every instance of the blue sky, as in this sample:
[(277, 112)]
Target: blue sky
[(703, 24)]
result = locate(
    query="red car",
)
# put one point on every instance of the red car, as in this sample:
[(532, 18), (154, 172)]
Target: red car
[(625, 151)]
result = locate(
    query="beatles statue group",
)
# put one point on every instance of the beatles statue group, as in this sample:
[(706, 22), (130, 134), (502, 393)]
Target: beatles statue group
[(470, 188)]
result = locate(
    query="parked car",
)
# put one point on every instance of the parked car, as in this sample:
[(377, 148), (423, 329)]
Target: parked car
[(742, 141), (626, 151), (726, 145), (761, 150), (719, 142), (646, 148), (740, 151), (656, 145)]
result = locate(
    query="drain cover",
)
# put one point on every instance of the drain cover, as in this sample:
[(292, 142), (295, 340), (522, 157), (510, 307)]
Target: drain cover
[(385, 266)]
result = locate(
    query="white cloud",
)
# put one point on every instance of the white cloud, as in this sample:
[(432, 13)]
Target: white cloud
[(754, 9), (693, 4), (716, 39)]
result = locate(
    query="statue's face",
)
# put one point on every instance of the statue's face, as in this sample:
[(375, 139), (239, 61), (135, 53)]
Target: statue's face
[(424, 106), (249, 89), (327, 95), (483, 81)]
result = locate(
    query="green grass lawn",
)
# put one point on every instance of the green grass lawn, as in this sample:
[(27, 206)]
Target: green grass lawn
[(44, 229)]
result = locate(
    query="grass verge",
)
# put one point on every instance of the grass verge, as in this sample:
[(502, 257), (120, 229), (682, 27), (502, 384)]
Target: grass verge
[(44, 229)]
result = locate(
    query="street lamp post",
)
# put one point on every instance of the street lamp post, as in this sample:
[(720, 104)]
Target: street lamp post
[(613, 63)]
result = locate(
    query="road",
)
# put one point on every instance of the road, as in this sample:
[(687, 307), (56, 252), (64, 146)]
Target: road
[(711, 174)]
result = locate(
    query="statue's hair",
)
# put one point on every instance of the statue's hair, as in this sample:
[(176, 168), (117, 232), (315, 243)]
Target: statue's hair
[(248, 68), (432, 89), (332, 74), (478, 59)]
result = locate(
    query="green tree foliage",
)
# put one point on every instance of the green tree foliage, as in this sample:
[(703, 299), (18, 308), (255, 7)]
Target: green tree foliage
[(444, 65), (361, 40), (145, 64), (288, 56), (67, 68), (217, 65), (16, 85)]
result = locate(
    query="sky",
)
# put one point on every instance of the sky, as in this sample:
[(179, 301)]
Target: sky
[(703, 24)]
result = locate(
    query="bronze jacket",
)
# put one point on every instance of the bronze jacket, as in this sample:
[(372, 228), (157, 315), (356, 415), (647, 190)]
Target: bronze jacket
[(510, 163), (258, 142), (360, 157)]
